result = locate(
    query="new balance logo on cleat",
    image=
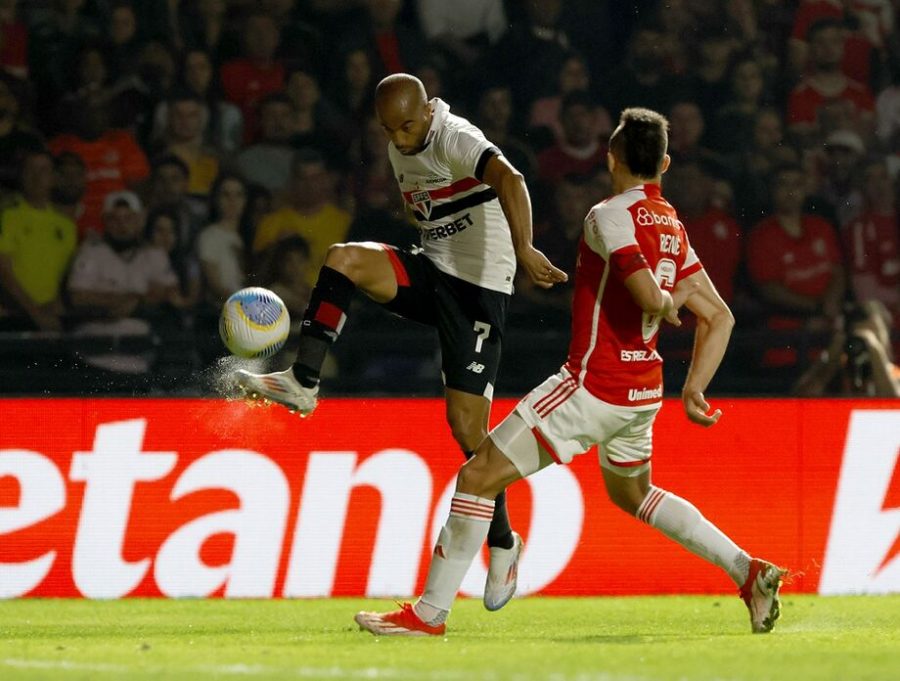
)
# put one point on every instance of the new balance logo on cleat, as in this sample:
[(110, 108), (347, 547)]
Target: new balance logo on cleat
[(475, 367)]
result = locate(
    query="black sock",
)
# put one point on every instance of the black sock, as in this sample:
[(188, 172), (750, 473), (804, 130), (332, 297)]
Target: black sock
[(500, 532), (322, 323)]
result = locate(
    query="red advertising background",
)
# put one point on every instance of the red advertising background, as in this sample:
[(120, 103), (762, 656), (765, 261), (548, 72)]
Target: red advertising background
[(767, 474)]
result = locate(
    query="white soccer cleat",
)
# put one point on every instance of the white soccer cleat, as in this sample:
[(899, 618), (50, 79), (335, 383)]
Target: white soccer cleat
[(402, 622), (760, 594), (280, 387), (502, 574)]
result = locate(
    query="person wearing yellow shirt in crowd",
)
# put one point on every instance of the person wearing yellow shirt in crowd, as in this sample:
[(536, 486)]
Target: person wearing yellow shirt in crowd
[(36, 246), (309, 212), (185, 135)]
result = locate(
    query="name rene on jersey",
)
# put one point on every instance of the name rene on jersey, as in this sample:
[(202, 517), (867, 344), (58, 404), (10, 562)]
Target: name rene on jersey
[(451, 228)]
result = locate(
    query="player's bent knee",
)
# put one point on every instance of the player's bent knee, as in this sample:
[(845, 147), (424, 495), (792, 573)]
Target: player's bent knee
[(486, 474)]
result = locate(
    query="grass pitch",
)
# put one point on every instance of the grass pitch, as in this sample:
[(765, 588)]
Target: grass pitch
[(583, 639)]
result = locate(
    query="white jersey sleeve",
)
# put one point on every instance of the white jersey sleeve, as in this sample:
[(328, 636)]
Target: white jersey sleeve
[(467, 151), (608, 229)]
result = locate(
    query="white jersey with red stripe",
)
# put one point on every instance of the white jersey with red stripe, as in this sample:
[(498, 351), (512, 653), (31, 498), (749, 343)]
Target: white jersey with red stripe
[(613, 348), (464, 230)]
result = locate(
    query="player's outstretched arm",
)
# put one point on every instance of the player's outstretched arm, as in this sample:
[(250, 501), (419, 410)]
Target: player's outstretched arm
[(714, 324), (516, 203)]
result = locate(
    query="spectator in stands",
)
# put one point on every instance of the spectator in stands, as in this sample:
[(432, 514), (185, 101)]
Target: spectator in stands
[(221, 249), (36, 246), (794, 259), (70, 186), (580, 150), (353, 86), (205, 28), (56, 35), (495, 114), (872, 241), (686, 128), (161, 231), (113, 158), (531, 52), (225, 129), (314, 120), (859, 360), (731, 130), (300, 43), (117, 280), (713, 233), (754, 168), (248, 79), (309, 212), (185, 136), (827, 84), (268, 162), (643, 79), (838, 191), (289, 276), (708, 80), (13, 41), (123, 41), (168, 188), (462, 29), (573, 76), (865, 25), (393, 47), (15, 140)]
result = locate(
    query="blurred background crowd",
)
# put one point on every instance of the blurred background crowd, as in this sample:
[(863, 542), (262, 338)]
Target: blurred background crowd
[(157, 155)]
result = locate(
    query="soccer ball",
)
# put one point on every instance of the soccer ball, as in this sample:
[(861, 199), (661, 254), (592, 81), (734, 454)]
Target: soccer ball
[(254, 323)]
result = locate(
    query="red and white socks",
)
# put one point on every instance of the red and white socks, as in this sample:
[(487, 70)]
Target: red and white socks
[(680, 521), (459, 542)]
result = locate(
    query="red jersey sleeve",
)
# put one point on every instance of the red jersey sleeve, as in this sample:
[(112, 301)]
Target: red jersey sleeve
[(609, 232)]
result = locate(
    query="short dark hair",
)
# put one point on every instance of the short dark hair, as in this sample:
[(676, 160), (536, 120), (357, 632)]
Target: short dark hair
[(170, 160), (577, 98), (640, 141), (785, 167), (822, 24), (69, 158), (306, 156)]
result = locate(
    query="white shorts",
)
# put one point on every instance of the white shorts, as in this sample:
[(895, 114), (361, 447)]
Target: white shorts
[(563, 419)]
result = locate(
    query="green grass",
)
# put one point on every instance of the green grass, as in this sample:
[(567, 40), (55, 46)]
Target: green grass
[(603, 639)]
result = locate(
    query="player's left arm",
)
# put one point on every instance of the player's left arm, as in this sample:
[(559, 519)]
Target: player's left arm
[(512, 191)]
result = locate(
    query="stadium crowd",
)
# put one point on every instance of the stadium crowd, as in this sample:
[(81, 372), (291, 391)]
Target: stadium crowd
[(157, 155)]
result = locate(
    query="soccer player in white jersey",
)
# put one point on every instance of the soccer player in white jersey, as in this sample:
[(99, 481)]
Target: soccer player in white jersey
[(635, 267), (474, 214)]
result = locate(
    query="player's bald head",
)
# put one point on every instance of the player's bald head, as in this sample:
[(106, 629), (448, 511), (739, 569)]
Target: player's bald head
[(403, 111), (400, 90)]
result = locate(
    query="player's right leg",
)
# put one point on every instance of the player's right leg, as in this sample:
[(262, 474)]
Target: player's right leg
[(364, 266), (480, 480), (629, 488)]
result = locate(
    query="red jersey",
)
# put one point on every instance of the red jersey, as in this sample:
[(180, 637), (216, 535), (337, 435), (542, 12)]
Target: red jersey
[(872, 245), (613, 349), (716, 237), (803, 265), (805, 101), (114, 162), (245, 84)]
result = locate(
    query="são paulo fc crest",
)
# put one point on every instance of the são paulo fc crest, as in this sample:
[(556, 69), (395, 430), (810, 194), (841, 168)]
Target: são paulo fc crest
[(422, 201)]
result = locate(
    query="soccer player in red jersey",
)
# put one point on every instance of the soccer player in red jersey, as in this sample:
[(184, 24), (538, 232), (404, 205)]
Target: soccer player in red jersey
[(635, 268)]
